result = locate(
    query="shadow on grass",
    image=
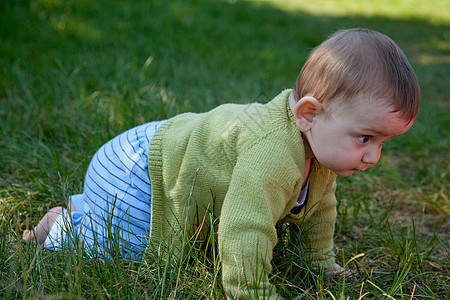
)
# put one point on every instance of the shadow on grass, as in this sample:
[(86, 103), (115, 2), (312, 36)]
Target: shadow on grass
[(210, 49)]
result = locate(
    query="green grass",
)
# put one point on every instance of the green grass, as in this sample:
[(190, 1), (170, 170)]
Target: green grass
[(73, 74)]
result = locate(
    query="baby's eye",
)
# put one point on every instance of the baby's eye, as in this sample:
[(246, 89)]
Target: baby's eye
[(364, 138)]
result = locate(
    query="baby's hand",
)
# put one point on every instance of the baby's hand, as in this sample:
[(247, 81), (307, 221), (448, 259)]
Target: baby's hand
[(340, 271)]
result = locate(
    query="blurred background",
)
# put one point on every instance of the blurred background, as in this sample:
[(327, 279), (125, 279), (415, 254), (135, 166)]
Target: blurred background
[(75, 73)]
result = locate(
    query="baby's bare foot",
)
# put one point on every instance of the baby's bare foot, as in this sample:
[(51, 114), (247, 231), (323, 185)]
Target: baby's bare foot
[(28, 236), (40, 232)]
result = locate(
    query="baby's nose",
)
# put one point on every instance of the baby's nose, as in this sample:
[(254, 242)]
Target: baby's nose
[(372, 156)]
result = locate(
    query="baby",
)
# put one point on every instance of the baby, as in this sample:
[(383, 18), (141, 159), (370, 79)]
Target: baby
[(252, 166)]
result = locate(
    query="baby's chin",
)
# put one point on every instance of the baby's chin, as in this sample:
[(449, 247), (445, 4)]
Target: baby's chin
[(344, 173)]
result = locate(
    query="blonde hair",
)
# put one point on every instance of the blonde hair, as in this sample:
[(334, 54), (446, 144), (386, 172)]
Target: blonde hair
[(360, 62)]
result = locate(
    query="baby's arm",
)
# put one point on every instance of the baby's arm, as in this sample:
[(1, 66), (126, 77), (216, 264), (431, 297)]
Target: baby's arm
[(318, 229), (246, 241), (254, 203)]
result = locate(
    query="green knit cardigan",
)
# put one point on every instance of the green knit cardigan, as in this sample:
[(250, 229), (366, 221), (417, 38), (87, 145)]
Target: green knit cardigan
[(245, 165)]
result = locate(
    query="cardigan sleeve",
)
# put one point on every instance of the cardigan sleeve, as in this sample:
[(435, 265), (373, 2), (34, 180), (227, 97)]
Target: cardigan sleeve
[(319, 229), (255, 201)]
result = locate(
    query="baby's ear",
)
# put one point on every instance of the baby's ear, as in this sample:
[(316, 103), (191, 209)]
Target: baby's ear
[(305, 110)]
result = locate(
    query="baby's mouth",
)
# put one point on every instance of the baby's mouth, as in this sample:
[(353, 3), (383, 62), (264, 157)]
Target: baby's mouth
[(363, 168)]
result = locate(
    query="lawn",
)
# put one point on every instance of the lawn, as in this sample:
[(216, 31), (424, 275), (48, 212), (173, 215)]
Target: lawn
[(75, 73)]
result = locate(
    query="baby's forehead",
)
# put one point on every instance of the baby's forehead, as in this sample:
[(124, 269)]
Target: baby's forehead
[(376, 118), (361, 100), (342, 102)]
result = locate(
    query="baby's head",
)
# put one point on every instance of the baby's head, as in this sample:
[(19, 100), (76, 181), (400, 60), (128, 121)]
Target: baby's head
[(355, 91), (359, 63)]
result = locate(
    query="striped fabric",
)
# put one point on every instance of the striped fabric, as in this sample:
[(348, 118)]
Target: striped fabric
[(115, 204)]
